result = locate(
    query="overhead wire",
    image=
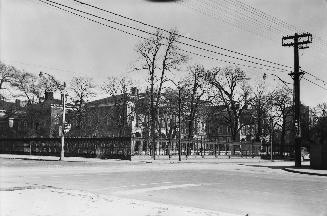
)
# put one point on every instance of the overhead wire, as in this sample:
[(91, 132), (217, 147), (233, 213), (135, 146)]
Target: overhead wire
[(115, 28), (314, 83), (268, 17), (141, 37), (250, 25), (183, 43), (179, 35)]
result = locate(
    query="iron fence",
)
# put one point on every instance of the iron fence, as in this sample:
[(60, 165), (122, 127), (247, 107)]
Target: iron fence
[(193, 147), (109, 147)]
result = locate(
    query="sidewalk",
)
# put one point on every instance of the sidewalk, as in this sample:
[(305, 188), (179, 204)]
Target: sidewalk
[(289, 167), (54, 158), (256, 162), (159, 159), (54, 202)]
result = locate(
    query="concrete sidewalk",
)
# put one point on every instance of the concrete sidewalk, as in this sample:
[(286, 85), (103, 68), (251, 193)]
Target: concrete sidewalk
[(289, 167), (199, 159), (255, 162), (54, 158)]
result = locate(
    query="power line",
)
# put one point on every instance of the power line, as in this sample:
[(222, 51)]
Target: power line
[(183, 43), (268, 17), (249, 26), (317, 78), (183, 36), (187, 51), (141, 37), (314, 83)]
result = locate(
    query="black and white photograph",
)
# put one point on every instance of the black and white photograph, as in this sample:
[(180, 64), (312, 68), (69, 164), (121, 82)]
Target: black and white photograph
[(163, 107)]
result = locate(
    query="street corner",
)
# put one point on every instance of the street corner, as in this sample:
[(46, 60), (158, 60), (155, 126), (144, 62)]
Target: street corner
[(53, 202)]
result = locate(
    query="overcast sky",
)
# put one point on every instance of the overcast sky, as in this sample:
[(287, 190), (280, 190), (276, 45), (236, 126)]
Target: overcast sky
[(37, 37)]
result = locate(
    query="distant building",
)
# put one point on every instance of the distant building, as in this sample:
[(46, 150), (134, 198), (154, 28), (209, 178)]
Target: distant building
[(31, 120)]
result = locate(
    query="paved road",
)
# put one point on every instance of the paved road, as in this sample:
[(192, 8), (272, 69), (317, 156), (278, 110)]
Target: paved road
[(229, 188)]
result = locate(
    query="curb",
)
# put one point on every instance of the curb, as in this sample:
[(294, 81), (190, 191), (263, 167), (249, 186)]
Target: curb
[(301, 172)]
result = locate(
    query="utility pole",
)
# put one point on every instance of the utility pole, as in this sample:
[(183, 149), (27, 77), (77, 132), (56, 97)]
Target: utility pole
[(62, 88), (271, 138), (63, 96), (299, 41), (179, 124), (153, 116)]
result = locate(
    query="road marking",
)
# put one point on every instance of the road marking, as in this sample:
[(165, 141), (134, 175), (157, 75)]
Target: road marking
[(78, 175), (154, 183), (144, 190), (35, 177), (55, 176), (166, 182)]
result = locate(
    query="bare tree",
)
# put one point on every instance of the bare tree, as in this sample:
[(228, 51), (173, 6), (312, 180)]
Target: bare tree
[(195, 91), (281, 100), (157, 55), (118, 89), (82, 89), (7, 77), (260, 106), (320, 110), (7, 74), (116, 86), (29, 86), (233, 93)]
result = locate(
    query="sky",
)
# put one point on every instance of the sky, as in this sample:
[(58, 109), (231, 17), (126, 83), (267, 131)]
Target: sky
[(36, 37)]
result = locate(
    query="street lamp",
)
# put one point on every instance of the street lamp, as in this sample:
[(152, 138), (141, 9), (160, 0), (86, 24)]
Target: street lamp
[(62, 88)]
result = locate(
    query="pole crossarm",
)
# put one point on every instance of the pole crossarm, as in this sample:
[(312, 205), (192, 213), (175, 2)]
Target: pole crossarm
[(298, 39)]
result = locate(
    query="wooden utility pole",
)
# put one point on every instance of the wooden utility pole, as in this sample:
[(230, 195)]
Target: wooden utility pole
[(63, 98), (298, 42), (179, 123)]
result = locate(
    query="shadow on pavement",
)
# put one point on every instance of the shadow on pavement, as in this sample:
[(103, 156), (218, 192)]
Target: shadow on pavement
[(304, 169)]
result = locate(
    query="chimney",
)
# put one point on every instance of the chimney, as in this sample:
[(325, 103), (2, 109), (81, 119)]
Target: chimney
[(134, 91), (18, 103), (48, 96)]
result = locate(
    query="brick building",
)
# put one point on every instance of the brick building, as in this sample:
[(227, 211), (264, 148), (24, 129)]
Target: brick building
[(31, 120)]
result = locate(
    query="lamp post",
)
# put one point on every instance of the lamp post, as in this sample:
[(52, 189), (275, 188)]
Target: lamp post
[(62, 88)]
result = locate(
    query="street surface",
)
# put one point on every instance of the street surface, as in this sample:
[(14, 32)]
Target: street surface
[(236, 188)]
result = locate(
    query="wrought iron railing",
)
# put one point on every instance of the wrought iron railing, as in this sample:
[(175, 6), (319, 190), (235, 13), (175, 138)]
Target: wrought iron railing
[(109, 147)]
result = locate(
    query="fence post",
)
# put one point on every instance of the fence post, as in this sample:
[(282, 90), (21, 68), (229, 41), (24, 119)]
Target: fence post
[(215, 149)]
